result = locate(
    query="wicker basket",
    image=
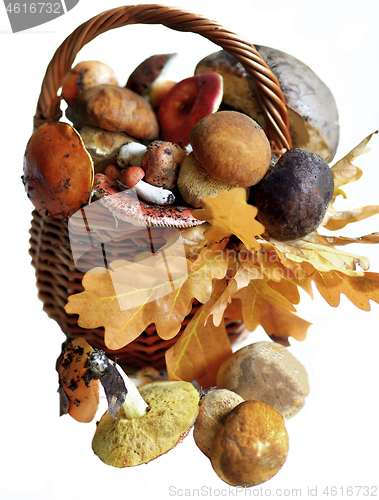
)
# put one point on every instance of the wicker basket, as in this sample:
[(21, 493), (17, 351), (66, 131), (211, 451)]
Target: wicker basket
[(56, 273)]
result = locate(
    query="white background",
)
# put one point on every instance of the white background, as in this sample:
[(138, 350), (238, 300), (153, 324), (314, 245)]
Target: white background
[(334, 440)]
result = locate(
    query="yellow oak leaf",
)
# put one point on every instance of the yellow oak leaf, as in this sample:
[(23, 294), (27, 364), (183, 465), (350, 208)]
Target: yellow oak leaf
[(270, 309), (358, 289), (229, 213), (336, 220), (129, 296), (200, 350)]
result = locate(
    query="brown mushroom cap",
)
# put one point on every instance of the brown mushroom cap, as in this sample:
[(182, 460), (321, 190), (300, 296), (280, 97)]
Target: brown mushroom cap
[(145, 74), (117, 109), (266, 371), (58, 171), (214, 408), (82, 392), (161, 162), (311, 106), (232, 147), (173, 407), (251, 445)]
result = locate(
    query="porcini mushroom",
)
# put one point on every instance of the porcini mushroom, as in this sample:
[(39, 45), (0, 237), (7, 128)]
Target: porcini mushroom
[(58, 170), (84, 75), (214, 407), (250, 446), (77, 389), (186, 103), (233, 150), (268, 372), (117, 109), (161, 163), (311, 106), (125, 442)]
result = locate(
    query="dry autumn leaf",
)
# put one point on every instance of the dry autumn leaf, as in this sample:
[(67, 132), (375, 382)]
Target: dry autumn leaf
[(129, 296), (200, 350), (229, 213), (336, 220)]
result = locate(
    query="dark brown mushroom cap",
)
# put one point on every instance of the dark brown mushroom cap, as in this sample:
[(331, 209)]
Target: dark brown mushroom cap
[(145, 74), (117, 109), (251, 446), (58, 171), (232, 147)]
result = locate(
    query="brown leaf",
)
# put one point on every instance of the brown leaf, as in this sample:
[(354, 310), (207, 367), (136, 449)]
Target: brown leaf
[(343, 240), (339, 219), (358, 289), (200, 350), (344, 171), (228, 214)]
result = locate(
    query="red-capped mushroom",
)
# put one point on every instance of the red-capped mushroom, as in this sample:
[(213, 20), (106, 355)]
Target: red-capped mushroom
[(186, 103)]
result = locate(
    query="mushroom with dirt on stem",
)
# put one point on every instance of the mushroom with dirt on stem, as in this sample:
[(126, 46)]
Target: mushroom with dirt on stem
[(132, 177)]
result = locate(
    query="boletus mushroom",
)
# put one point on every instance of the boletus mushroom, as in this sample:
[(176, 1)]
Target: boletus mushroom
[(172, 410), (268, 372), (251, 445), (58, 170), (311, 106), (116, 109), (229, 149)]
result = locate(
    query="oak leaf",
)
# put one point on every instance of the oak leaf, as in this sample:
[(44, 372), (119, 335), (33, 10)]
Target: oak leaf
[(229, 213), (200, 350)]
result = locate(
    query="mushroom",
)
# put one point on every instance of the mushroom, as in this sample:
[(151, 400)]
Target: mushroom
[(79, 392), (58, 170), (214, 407), (116, 109), (311, 106), (113, 171), (125, 205), (131, 154), (103, 146), (161, 163), (124, 442), (250, 446), (146, 73), (131, 177), (84, 75), (186, 103), (232, 148), (268, 372)]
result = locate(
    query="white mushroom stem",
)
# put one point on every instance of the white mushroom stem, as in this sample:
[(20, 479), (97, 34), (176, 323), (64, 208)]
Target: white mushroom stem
[(134, 405), (130, 154), (153, 194)]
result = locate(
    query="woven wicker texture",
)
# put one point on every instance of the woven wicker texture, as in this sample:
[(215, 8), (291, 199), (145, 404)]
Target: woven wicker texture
[(50, 247)]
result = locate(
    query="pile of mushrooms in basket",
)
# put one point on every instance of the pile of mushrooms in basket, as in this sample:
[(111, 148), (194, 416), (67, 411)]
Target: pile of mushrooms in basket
[(242, 225)]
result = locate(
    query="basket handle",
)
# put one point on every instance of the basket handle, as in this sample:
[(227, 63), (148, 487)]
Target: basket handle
[(268, 87)]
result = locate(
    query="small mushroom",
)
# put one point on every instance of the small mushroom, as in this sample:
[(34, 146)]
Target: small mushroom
[(76, 384), (214, 407), (84, 75), (124, 442), (131, 177), (311, 106), (113, 171), (186, 103), (116, 109), (250, 446), (131, 154), (58, 170), (161, 163), (268, 372)]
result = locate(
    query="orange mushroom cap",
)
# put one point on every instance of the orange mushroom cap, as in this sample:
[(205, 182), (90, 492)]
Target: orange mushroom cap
[(58, 170)]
